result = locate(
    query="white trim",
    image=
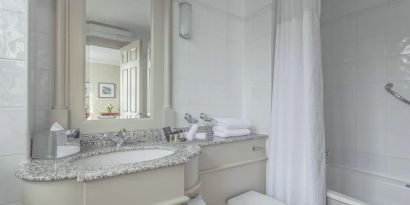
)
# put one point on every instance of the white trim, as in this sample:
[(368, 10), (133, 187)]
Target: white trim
[(344, 198)]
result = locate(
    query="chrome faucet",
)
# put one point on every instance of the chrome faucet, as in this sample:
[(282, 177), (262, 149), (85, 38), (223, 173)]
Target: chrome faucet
[(188, 117), (121, 137)]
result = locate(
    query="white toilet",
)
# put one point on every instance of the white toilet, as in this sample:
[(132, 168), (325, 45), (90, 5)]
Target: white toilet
[(253, 198)]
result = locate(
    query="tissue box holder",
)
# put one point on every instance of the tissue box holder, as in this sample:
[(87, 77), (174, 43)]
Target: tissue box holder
[(55, 144)]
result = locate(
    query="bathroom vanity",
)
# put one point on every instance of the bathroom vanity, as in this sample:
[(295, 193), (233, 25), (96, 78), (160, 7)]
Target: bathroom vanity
[(161, 173), (131, 90)]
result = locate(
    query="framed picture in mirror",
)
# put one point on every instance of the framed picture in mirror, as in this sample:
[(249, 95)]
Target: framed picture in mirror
[(106, 90)]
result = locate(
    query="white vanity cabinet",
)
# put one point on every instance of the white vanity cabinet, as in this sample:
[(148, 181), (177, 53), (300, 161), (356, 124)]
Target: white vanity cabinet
[(230, 169), (163, 186)]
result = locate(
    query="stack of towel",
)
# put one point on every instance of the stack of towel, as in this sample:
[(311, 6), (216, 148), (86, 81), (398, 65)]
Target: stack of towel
[(230, 127)]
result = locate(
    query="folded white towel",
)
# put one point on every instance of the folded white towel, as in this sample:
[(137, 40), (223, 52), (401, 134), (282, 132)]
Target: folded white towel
[(222, 131), (232, 123)]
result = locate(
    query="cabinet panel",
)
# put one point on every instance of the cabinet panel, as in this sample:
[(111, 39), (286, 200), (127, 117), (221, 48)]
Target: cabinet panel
[(230, 169), (124, 90), (133, 90), (218, 187), (215, 156)]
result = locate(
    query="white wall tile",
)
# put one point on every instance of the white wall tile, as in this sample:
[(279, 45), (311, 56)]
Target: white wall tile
[(398, 143), (372, 94), (13, 134), (258, 72), (13, 5), (397, 118), (12, 35), (9, 184), (371, 71), (398, 28), (341, 74), (371, 162), (341, 127), (343, 156), (180, 92), (398, 68), (233, 7), (257, 94), (199, 93), (370, 141), (13, 109), (13, 83), (344, 40), (364, 45), (210, 70), (398, 168), (332, 9), (372, 22), (371, 48), (371, 118)]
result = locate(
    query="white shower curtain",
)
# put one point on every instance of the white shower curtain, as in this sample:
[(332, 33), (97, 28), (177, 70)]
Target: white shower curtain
[(296, 165)]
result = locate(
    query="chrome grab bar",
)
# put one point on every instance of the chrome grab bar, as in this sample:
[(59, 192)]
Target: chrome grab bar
[(389, 89)]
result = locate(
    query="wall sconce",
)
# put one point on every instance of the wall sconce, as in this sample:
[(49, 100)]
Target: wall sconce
[(185, 20)]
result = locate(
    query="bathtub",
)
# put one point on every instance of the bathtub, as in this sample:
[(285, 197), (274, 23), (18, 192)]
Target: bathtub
[(354, 187)]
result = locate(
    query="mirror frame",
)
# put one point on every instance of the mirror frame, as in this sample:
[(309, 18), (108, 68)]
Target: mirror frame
[(161, 38)]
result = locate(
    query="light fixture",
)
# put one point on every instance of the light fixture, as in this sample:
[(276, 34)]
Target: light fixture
[(185, 20)]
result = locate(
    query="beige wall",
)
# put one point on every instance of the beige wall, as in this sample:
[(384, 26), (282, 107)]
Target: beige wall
[(102, 73)]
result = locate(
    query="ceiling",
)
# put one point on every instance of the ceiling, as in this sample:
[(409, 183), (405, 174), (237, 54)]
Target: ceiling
[(102, 55), (132, 15)]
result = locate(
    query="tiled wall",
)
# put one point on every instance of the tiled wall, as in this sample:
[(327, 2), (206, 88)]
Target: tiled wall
[(366, 128), (257, 69), (207, 71), (40, 62), (224, 70), (13, 101)]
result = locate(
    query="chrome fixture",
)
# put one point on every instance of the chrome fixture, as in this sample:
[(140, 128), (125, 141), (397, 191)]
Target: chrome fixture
[(55, 144), (121, 137), (205, 118), (185, 20), (209, 123), (389, 89), (188, 117), (257, 148)]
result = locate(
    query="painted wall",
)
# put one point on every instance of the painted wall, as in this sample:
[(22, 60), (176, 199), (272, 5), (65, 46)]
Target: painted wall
[(366, 128), (13, 96), (102, 73)]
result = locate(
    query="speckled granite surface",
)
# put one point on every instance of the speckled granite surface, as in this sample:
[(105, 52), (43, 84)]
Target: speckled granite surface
[(54, 170)]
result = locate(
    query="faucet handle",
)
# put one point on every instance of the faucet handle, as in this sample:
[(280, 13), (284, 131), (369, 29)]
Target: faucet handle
[(122, 131)]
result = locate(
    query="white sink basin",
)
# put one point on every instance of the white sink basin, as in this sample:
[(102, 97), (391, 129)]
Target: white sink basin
[(125, 157)]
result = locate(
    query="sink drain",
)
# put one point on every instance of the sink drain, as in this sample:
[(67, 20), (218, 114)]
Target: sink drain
[(408, 186)]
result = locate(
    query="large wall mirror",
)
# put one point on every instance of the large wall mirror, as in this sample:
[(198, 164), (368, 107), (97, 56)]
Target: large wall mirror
[(118, 64)]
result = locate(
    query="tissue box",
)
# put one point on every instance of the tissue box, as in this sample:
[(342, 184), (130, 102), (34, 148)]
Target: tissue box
[(55, 144)]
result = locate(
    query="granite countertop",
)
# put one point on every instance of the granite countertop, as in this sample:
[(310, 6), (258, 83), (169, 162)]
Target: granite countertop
[(63, 169)]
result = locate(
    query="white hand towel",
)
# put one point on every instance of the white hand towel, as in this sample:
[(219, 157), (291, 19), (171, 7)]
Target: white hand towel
[(221, 131), (232, 123)]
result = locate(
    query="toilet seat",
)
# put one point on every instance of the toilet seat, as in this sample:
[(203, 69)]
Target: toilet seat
[(253, 198)]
